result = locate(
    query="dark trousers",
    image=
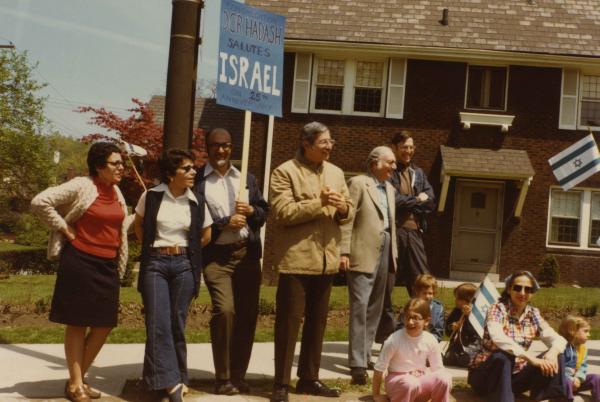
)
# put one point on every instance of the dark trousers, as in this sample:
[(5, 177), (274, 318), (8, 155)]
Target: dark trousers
[(412, 262), (233, 281), (167, 290), (299, 295), (495, 380)]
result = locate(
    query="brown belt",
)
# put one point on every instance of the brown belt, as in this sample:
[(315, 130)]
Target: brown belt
[(171, 250), (234, 246)]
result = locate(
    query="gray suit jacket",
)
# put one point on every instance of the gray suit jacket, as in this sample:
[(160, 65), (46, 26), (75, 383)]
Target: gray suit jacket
[(362, 236)]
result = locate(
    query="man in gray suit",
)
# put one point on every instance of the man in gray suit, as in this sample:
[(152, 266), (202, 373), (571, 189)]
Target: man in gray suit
[(369, 252)]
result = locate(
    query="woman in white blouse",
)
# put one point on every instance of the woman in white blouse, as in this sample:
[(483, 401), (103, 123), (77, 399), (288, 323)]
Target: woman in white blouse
[(172, 224), (505, 366)]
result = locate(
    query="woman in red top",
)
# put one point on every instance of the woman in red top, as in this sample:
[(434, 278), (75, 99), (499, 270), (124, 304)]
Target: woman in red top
[(87, 217)]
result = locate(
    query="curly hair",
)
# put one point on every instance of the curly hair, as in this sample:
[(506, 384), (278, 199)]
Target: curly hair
[(98, 155)]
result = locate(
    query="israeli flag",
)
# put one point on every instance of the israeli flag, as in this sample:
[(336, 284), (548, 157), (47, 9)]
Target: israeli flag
[(132, 149), (486, 296), (576, 163)]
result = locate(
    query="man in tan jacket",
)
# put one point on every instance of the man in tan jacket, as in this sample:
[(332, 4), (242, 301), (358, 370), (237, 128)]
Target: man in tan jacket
[(310, 200), (369, 252)]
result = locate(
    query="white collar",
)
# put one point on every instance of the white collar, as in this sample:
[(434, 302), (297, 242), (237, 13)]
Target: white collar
[(233, 171), (163, 188)]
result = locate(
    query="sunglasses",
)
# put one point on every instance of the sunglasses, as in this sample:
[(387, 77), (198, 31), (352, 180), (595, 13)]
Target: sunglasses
[(520, 288), (186, 168), (115, 164)]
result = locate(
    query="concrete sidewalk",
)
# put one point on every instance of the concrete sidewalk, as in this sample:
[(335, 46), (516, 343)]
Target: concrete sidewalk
[(38, 372)]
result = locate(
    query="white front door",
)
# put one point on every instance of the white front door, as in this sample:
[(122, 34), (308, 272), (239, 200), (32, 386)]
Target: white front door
[(476, 230)]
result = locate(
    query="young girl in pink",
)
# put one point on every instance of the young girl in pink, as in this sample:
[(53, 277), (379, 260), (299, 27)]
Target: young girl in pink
[(405, 354)]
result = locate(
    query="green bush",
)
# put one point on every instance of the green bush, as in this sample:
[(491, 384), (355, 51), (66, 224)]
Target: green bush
[(135, 250), (30, 231), (549, 274), (28, 261)]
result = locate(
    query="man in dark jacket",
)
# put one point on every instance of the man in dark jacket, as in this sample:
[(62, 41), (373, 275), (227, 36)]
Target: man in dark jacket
[(414, 201), (231, 262)]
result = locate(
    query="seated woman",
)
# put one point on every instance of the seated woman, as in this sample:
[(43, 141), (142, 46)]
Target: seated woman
[(504, 366), (172, 224)]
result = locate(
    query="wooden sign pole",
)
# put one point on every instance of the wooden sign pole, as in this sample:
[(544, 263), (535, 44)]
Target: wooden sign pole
[(243, 194)]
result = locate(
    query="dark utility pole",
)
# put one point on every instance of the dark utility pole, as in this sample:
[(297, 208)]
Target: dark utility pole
[(181, 75)]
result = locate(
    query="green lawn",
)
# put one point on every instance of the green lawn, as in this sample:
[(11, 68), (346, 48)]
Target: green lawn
[(5, 246), (37, 290)]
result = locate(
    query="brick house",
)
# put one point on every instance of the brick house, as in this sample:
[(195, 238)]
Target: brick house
[(491, 90)]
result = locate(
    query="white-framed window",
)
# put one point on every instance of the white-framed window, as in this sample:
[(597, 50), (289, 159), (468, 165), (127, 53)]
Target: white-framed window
[(580, 100), (365, 87), (574, 219), (486, 88)]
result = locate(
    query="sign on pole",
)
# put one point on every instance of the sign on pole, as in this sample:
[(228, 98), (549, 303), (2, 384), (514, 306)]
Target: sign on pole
[(250, 63)]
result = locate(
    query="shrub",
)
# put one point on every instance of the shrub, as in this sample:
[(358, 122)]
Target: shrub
[(28, 261), (30, 231), (549, 274), (135, 250)]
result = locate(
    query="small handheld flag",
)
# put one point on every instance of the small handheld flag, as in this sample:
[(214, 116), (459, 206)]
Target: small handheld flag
[(576, 163), (486, 296)]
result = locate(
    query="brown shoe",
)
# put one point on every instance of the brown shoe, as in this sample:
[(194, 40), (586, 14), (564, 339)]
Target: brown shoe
[(77, 395), (92, 393)]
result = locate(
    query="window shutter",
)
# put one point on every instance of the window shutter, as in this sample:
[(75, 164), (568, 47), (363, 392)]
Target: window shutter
[(302, 74), (395, 94), (569, 99)]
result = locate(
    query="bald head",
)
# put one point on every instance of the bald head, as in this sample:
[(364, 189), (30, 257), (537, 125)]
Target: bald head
[(218, 145)]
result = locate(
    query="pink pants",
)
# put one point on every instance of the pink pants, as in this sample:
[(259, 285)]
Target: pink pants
[(408, 388)]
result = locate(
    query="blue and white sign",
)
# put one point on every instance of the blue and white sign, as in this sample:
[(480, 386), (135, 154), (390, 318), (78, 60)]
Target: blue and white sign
[(250, 75), (486, 296)]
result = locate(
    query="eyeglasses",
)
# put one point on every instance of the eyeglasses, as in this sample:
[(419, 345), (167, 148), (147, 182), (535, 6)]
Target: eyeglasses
[(520, 288), (115, 163), (216, 145), (414, 317), (326, 142), (187, 168)]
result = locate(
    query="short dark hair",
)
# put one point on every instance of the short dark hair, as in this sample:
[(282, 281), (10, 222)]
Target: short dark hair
[(98, 155), (310, 132), (402, 136), (465, 292), (170, 160)]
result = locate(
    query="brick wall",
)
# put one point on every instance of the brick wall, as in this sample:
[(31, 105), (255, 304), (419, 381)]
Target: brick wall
[(434, 96)]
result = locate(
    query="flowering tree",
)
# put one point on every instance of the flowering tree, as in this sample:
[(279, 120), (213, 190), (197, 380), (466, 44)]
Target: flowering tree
[(140, 129)]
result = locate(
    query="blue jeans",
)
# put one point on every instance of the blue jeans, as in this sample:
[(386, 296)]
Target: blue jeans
[(167, 290)]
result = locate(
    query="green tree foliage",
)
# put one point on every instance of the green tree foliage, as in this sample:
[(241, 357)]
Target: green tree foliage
[(25, 158), (73, 155)]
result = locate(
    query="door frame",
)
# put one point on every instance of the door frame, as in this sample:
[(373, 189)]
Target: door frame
[(478, 276)]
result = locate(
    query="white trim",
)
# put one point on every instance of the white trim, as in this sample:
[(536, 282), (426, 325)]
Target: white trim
[(562, 96), (473, 56), (584, 220), (504, 121), (307, 81), (347, 107), (579, 100), (390, 85)]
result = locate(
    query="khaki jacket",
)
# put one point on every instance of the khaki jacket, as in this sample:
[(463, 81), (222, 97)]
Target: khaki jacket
[(306, 235), (362, 235)]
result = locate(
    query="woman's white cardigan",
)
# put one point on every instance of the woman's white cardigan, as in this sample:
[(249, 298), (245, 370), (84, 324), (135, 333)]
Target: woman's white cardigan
[(63, 205)]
